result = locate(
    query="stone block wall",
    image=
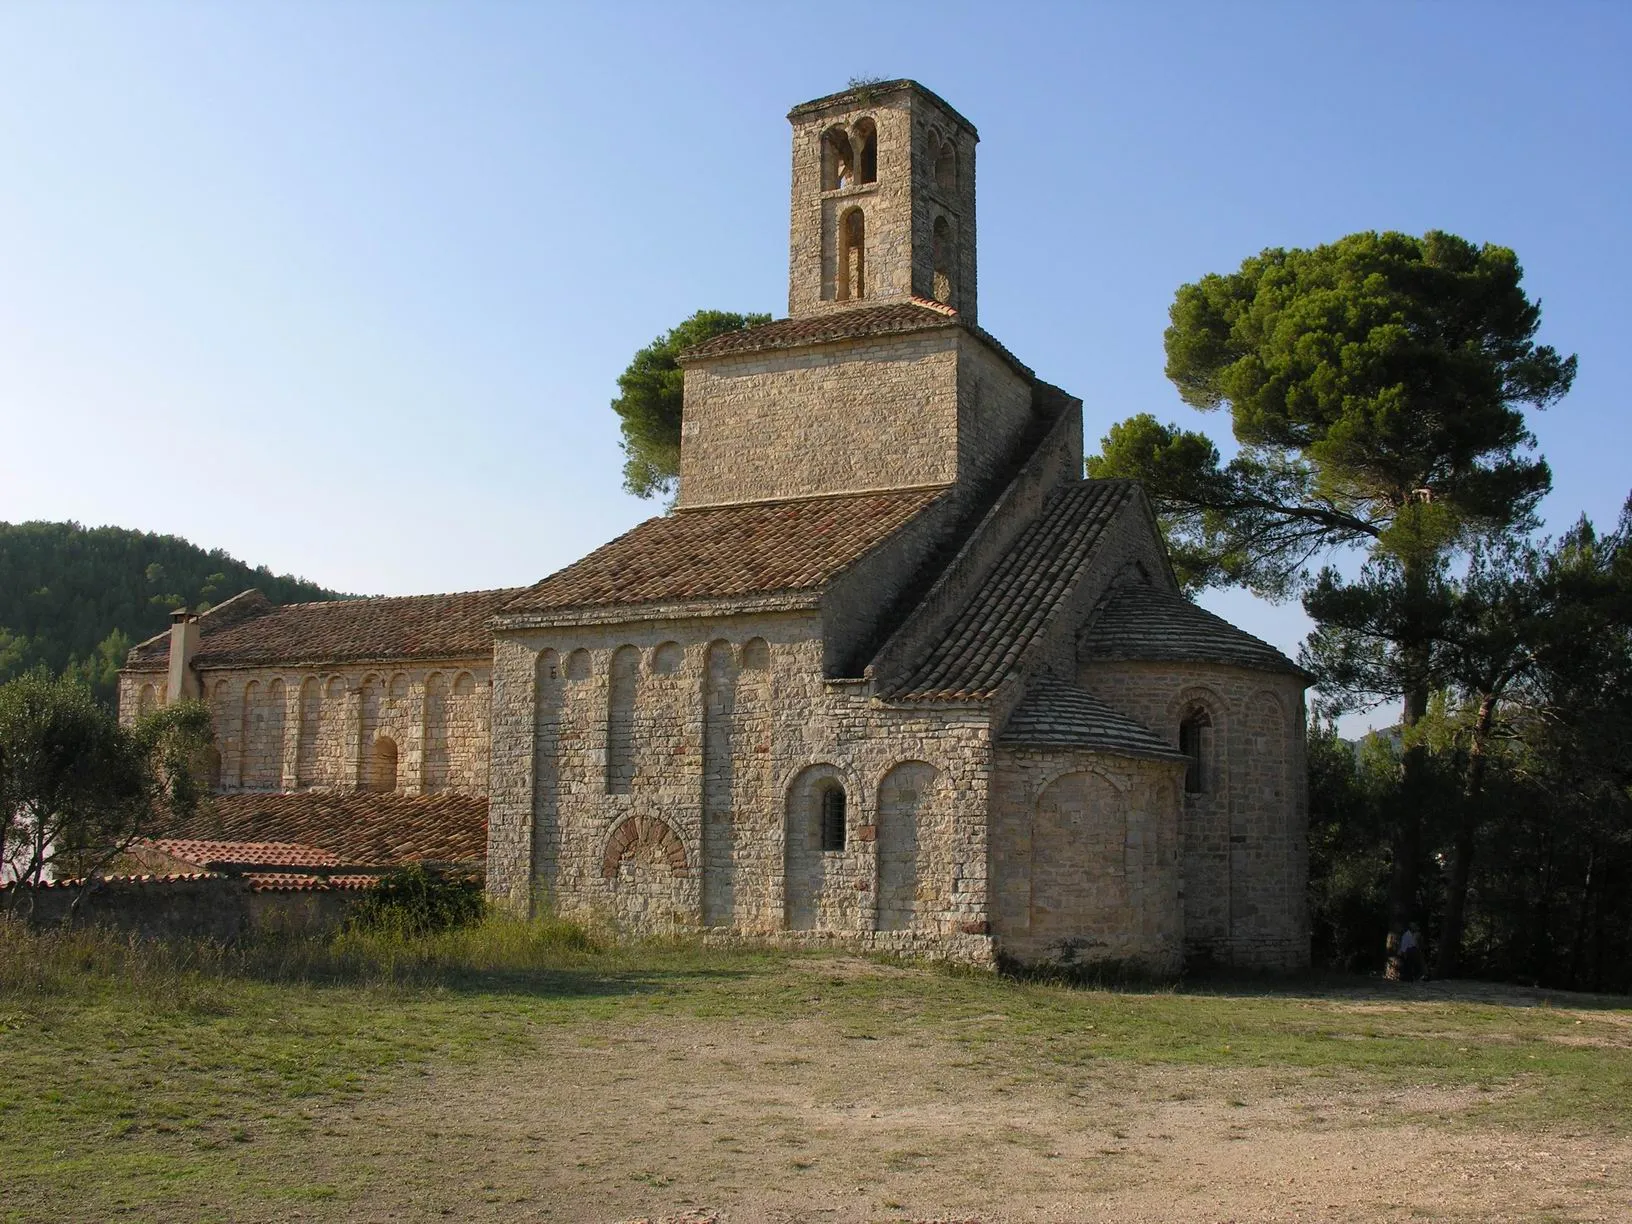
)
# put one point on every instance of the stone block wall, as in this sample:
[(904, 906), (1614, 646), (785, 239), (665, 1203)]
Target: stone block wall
[(1244, 836), (417, 730), (836, 418), (218, 908), (735, 734), (994, 410), (1085, 858)]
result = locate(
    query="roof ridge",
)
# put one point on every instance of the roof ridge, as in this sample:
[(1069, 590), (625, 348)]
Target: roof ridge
[(358, 599)]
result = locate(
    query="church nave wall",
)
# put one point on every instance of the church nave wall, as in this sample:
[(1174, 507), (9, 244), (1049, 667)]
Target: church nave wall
[(413, 730)]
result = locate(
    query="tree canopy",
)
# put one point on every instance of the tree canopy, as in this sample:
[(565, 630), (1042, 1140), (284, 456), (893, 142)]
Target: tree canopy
[(76, 787), (650, 396), (76, 599), (1375, 387)]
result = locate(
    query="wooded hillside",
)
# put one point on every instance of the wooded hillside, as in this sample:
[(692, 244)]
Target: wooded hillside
[(76, 599)]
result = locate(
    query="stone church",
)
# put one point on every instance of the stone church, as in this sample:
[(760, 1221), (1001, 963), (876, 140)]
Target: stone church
[(891, 671)]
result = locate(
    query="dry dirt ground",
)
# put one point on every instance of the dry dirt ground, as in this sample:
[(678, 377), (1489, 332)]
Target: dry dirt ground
[(725, 1121)]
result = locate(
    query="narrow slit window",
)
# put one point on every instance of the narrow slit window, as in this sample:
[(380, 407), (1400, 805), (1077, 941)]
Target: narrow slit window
[(833, 818), (1191, 744)]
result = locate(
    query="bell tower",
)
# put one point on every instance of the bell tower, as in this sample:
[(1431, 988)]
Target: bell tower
[(883, 201)]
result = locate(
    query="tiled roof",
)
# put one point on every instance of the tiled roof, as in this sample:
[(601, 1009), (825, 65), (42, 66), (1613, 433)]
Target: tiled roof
[(894, 318), (386, 627), (358, 828), (1142, 622), (1018, 598), (720, 552), (205, 850), (1061, 715)]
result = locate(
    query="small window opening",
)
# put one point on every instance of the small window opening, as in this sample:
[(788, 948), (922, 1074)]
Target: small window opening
[(383, 767), (1190, 744), (866, 149), (941, 250), (833, 818), (852, 276), (946, 166), (837, 160)]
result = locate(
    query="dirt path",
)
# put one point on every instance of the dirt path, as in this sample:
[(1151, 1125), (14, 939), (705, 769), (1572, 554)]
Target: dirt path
[(729, 1121)]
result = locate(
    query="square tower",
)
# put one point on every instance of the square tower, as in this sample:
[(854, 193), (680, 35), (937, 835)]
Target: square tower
[(883, 201)]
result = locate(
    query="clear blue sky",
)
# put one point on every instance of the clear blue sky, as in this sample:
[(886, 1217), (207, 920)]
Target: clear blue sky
[(343, 287)]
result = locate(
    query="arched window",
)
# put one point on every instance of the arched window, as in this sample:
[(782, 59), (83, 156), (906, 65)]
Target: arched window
[(852, 278), (946, 165), (383, 765), (866, 149), (833, 818), (941, 247), (1192, 745), (837, 161)]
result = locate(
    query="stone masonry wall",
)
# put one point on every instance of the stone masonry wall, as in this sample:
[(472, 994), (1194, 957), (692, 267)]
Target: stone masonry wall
[(1244, 837), (731, 749), (837, 418), (415, 730), (994, 410), (1085, 849)]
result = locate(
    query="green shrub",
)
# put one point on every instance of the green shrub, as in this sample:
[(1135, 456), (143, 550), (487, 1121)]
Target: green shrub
[(416, 901)]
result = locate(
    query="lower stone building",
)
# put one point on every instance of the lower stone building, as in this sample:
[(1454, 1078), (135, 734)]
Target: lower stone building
[(890, 671)]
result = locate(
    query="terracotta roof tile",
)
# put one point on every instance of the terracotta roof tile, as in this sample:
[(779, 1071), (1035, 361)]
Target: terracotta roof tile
[(1061, 715), (721, 552), (1141, 622), (386, 627), (357, 828), (1019, 597), (205, 850)]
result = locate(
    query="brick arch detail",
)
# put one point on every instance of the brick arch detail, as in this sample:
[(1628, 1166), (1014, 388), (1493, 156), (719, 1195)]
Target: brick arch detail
[(638, 831)]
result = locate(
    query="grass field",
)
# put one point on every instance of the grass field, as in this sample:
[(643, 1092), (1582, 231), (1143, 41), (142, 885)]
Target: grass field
[(525, 1071)]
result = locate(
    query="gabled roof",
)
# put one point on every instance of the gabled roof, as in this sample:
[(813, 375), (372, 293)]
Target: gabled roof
[(722, 552), (1056, 715), (344, 630), (358, 828), (1019, 597), (1142, 622)]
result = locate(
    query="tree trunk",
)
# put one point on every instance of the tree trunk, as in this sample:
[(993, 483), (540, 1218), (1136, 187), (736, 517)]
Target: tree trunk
[(1407, 835), (1448, 957)]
